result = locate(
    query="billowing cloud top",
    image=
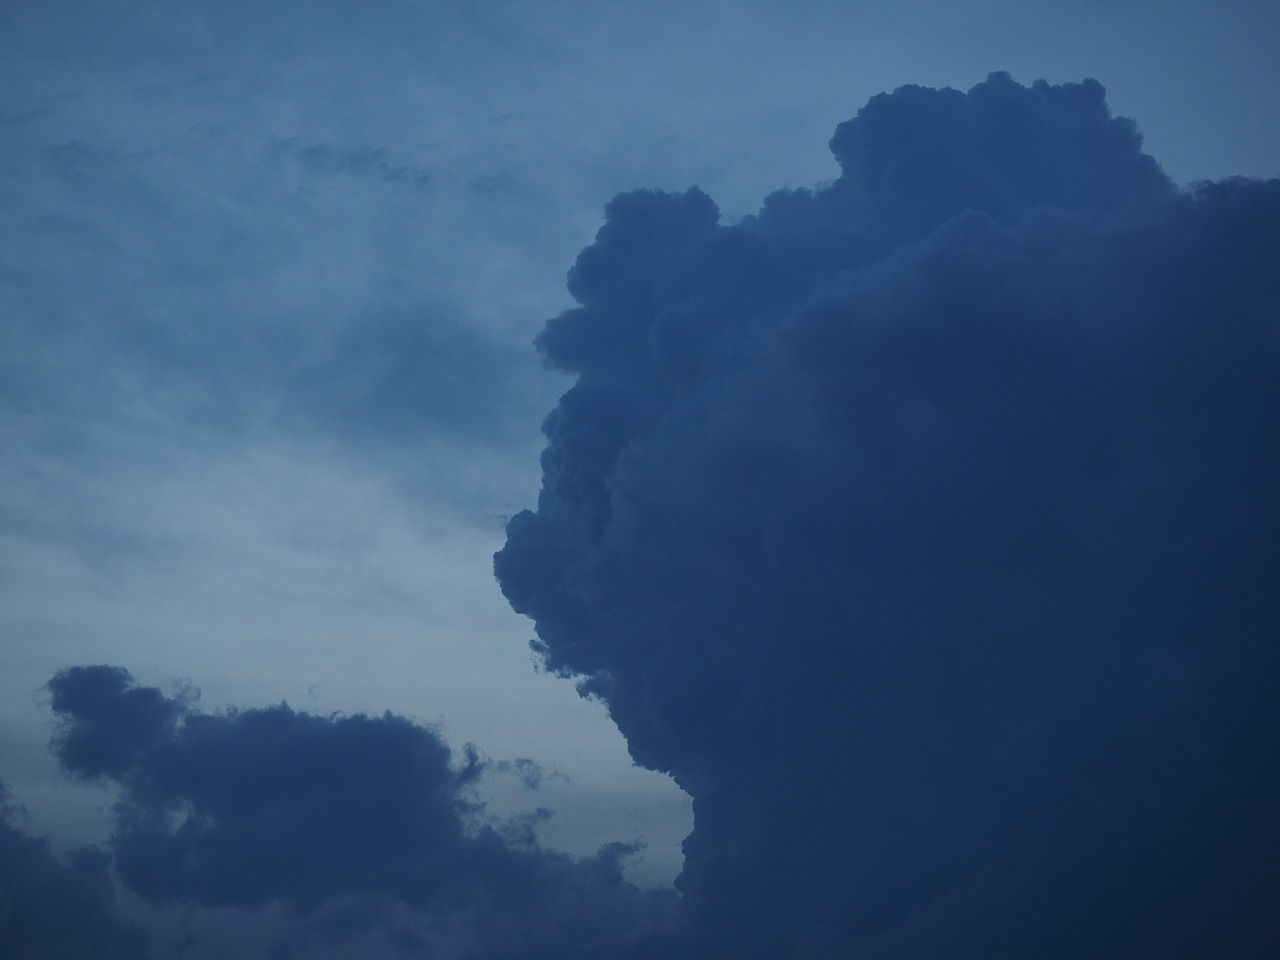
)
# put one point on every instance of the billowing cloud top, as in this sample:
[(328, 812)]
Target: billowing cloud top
[(924, 527)]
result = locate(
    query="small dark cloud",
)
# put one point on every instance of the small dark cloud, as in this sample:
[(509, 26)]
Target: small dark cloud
[(523, 769), (924, 528), (116, 724)]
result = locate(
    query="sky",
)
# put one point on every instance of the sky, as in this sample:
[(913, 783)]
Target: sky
[(881, 483)]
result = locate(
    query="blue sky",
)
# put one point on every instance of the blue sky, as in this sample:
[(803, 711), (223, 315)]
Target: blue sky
[(271, 280)]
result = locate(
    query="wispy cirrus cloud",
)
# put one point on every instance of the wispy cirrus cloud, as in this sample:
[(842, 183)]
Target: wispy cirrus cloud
[(375, 162)]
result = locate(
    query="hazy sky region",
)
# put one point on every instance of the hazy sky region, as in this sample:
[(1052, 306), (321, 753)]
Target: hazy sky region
[(918, 521)]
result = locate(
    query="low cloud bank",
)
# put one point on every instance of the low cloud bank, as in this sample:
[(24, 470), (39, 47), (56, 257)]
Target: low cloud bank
[(354, 824)]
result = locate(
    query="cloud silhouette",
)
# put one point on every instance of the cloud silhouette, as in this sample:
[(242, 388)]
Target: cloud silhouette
[(52, 908), (924, 528), (344, 820)]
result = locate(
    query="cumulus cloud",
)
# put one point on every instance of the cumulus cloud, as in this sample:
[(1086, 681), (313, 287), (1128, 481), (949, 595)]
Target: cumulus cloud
[(354, 824), (924, 528)]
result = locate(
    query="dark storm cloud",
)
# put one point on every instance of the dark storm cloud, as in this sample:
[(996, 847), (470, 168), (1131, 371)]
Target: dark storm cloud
[(925, 528), (52, 908), (343, 819)]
